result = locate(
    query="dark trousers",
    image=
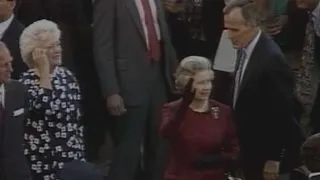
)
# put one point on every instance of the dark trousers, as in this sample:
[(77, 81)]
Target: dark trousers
[(252, 168), (139, 126)]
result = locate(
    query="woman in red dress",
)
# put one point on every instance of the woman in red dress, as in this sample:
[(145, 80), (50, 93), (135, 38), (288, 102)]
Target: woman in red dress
[(200, 131)]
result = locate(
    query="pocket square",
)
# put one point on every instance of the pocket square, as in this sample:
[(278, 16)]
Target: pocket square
[(18, 112)]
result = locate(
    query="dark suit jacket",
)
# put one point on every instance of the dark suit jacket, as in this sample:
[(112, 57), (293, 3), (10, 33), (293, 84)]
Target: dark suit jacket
[(11, 39), (13, 162), (120, 49), (315, 177), (266, 104)]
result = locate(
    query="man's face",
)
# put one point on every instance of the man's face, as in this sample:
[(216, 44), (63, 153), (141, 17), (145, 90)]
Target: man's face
[(6, 9), (307, 4), (5, 65), (239, 32)]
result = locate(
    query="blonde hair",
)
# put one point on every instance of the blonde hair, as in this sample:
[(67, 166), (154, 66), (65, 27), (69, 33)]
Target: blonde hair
[(188, 67), (35, 36)]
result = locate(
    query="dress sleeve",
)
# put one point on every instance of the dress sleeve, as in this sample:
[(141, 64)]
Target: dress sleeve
[(165, 123), (75, 88), (39, 98), (172, 116), (231, 148)]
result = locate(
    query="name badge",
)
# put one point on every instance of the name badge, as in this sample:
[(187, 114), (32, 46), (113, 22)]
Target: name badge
[(18, 112)]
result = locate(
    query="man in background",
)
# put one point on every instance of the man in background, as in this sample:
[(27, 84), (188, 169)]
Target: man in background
[(13, 107), (263, 97), (310, 60), (10, 31), (135, 62), (310, 154)]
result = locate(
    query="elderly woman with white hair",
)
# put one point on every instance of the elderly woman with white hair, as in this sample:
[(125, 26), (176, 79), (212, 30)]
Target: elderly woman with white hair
[(200, 131), (53, 132)]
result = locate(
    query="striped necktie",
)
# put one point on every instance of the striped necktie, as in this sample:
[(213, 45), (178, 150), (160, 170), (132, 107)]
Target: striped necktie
[(154, 45), (241, 56)]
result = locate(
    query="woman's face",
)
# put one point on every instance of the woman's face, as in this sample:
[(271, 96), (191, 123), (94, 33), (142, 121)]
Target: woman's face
[(54, 54), (202, 84)]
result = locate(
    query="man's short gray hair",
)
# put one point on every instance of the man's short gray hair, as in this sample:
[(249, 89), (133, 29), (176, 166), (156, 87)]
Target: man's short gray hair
[(250, 10)]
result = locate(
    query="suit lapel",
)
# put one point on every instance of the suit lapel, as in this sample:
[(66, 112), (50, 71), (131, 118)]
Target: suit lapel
[(8, 33), (253, 62), (5, 131), (9, 96), (131, 5)]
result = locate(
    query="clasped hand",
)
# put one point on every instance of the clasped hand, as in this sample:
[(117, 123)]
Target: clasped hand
[(275, 25), (271, 170), (115, 105), (173, 6)]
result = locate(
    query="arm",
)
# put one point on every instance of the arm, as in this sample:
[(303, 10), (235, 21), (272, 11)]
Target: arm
[(77, 93), (171, 120), (280, 98), (173, 115), (231, 149), (39, 96), (104, 33)]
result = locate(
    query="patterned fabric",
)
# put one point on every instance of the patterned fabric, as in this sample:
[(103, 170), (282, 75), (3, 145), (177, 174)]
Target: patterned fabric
[(53, 134), (306, 87), (193, 18)]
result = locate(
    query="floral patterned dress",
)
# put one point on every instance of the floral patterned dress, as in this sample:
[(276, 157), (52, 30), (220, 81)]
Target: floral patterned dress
[(53, 134)]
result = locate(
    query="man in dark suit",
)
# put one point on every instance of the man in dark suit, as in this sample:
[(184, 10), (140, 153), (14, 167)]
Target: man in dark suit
[(263, 97), (10, 31), (13, 106), (135, 61), (310, 155)]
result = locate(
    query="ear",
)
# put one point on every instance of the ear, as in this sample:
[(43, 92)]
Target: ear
[(12, 4)]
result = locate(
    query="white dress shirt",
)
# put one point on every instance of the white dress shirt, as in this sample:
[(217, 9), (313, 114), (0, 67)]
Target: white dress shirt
[(2, 95), (248, 51), (4, 26), (316, 19), (142, 17)]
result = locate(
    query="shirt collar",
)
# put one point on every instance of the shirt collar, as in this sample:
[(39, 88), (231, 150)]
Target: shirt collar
[(314, 174), (2, 94), (252, 44), (5, 24), (316, 11)]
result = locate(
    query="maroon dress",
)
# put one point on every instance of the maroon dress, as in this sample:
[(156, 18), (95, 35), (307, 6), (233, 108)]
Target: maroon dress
[(196, 135)]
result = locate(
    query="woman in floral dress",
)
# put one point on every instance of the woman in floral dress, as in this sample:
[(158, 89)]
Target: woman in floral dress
[(52, 132)]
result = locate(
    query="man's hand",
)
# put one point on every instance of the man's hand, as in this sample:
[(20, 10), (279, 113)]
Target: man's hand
[(271, 170), (173, 6), (307, 4), (115, 105), (275, 26)]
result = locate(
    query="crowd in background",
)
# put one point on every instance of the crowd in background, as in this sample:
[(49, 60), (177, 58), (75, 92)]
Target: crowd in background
[(125, 89)]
